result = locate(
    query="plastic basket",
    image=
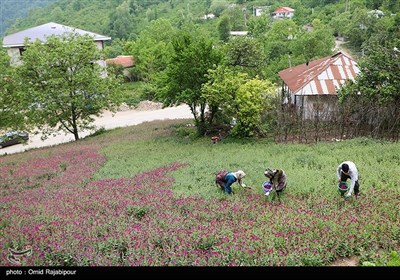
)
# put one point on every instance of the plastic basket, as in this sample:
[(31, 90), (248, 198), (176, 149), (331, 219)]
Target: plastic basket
[(343, 186), (267, 186)]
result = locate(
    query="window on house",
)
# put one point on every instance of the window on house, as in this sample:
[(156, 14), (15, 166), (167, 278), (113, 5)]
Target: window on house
[(21, 50)]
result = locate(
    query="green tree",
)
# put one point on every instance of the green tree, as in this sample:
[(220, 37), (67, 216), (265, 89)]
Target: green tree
[(339, 23), (220, 91), (231, 94), (392, 5), (253, 98), (237, 17), (121, 21), (258, 26), (383, 31), (218, 6), (181, 82), (11, 114), (314, 44), (224, 28), (65, 86), (357, 30), (277, 47), (375, 92), (246, 54), (152, 49)]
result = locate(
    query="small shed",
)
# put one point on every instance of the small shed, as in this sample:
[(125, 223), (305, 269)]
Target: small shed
[(313, 86), (125, 61)]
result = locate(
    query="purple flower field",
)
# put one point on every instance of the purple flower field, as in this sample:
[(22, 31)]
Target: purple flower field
[(50, 205)]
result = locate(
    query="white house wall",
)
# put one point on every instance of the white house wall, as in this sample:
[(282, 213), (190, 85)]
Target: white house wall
[(327, 106), (99, 45), (14, 55)]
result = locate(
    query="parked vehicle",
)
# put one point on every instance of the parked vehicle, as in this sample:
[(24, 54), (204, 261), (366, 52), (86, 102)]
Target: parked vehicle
[(13, 137)]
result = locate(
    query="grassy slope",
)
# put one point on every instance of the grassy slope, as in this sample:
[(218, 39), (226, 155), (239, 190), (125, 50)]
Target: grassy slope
[(192, 221)]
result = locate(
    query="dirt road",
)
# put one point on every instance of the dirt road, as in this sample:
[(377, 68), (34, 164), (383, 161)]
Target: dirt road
[(341, 49), (107, 121)]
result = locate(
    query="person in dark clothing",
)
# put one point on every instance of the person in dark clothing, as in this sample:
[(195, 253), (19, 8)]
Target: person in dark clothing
[(231, 177), (278, 179)]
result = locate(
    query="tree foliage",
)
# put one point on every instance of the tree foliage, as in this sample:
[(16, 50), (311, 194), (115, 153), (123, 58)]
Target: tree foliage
[(246, 54), (12, 10), (192, 57), (11, 115), (376, 90), (224, 28), (64, 85), (235, 95), (152, 49), (253, 98), (313, 44)]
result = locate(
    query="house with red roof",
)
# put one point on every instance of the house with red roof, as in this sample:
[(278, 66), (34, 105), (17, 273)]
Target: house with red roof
[(283, 12), (312, 87), (124, 61)]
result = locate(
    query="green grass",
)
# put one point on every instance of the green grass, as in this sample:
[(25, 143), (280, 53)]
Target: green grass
[(309, 167)]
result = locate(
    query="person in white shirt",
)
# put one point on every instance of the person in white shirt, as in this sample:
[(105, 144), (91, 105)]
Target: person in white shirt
[(348, 170)]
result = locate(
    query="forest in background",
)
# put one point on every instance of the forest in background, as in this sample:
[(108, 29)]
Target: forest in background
[(169, 38), (125, 19), (16, 10)]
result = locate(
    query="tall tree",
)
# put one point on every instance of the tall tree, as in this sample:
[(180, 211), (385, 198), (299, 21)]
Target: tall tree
[(376, 90), (11, 114), (121, 21), (65, 86), (186, 72), (277, 47), (152, 49), (358, 28), (224, 28), (314, 44), (246, 54)]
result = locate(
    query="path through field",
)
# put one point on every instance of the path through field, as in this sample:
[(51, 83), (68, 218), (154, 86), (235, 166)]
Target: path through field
[(343, 50), (352, 261), (146, 111)]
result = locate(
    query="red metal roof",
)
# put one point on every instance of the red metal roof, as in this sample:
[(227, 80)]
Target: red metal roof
[(123, 60), (322, 76), (284, 10)]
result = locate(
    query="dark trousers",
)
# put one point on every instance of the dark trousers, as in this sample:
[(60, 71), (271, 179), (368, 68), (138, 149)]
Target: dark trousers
[(344, 177)]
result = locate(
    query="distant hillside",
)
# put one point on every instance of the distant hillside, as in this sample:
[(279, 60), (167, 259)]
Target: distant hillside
[(115, 18), (12, 10)]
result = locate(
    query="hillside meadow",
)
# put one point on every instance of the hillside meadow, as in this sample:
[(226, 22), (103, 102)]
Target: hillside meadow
[(145, 196)]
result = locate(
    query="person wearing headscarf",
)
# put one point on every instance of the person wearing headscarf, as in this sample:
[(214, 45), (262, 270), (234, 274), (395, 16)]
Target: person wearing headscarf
[(233, 177), (278, 179), (348, 170)]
